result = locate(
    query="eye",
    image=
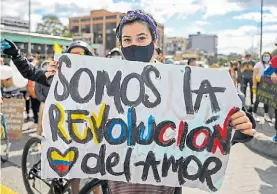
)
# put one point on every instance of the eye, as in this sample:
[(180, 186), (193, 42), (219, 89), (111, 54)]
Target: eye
[(127, 40), (142, 38)]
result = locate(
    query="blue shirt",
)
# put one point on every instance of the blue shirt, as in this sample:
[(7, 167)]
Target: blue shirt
[(269, 70)]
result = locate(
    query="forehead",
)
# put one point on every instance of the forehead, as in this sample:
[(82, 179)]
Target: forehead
[(77, 50), (135, 29)]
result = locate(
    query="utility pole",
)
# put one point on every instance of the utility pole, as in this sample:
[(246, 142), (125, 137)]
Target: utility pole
[(261, 35), (29, 39)]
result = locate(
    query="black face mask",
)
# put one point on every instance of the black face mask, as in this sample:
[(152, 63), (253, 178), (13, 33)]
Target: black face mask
[(138, 53)]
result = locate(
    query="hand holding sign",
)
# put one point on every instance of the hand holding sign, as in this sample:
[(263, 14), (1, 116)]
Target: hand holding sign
[(52, 68), (126, 126)]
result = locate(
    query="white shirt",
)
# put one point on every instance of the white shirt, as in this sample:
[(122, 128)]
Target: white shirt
[(261, 67)]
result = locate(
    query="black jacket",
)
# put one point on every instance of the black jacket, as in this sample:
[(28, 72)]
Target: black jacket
[(38, 75), (41, 91)]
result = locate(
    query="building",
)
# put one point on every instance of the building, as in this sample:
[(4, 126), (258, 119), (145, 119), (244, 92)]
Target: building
[(206, 44), (14, 24), (40, 43), (99, 26), (174, 45), (187, 55)]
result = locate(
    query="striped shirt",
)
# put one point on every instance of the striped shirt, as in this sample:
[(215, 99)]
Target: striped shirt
[(129, 188)]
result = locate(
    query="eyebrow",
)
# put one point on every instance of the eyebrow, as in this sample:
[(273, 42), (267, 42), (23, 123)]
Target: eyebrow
[(125, 36), (142, 34)]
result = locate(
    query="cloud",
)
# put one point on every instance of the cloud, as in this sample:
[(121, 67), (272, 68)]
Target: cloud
[(253, 3), (219, 7), (167, 31), (162, 10), (202, 23), (256, 16), (271, 28), (241, 39)]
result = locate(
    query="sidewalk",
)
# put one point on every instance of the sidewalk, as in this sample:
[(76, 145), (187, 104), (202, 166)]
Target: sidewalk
[(262, 141)]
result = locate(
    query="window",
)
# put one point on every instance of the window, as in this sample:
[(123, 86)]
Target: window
[(75, 21), (110, 41), (110, 27), (97, 18), (85, 19), (86, 28), (98, 28), (74, 29), (97, 38), (111, 17)]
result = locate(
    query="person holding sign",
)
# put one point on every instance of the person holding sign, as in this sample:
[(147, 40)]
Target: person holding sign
[(258, 72), (45, 78), (271, 71), (137, 33)]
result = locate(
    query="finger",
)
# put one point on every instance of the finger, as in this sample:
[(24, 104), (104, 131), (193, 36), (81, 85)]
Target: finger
[(237, 115), (244, 126), (250, 132), (239, 121)]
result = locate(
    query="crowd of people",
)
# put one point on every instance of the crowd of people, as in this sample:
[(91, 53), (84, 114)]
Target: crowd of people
[(137, 33), (247, 73)]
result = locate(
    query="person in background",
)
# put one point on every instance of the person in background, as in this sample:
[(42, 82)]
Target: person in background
[(233, 71), (247, 75), (115, 53), (45, 78), (11, 82), (159, 55), (271, 70), (192, 62), (258, 72), (35, 103)]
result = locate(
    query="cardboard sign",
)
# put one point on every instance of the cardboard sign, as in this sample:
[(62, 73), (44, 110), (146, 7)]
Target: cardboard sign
[(13, 110), (138, 123), (267, 92)]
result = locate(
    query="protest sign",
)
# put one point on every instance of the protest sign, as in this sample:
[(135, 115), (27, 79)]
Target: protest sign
[(267, 92), (138, 123), (13, 110)]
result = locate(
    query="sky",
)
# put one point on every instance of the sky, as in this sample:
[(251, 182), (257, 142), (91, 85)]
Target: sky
[(235, 22)]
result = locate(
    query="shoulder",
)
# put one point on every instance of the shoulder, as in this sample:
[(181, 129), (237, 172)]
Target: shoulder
[(258, 65)]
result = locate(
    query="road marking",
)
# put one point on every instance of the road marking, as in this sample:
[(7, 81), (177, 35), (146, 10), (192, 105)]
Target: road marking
[(6, 190)]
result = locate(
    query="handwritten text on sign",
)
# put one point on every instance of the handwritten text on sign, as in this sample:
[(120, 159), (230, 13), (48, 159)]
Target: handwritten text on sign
[(13, 110), (138, 123), (267, 92)]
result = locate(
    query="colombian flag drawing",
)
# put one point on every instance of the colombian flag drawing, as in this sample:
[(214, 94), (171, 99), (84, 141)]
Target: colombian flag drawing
[(62, 163)]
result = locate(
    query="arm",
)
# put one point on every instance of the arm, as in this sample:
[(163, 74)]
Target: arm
[(24, 67), (243, 138), (239, 137), (29, 71), (255, 78)]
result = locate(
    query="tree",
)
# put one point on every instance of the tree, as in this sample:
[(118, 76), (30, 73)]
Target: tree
[(51, 25)]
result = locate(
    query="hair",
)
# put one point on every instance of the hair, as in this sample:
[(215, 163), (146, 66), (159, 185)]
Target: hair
[(132, 20), (233, 63), (159, 51), (247, 55), (268, 54), (190, 60)]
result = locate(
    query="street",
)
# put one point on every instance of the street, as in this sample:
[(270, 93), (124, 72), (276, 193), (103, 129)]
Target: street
[(247, 171)]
